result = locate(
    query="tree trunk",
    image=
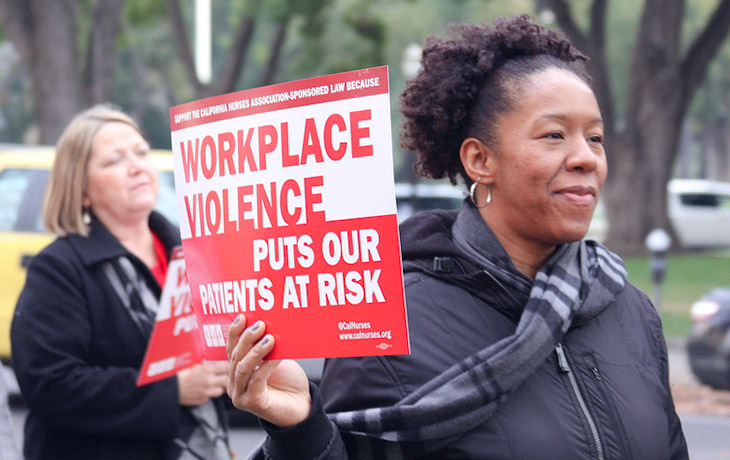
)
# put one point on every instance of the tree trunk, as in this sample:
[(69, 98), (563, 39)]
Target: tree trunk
[(635, 194), (636, 198), (45, 35), (642, 155), (593, 45), (102, 49)]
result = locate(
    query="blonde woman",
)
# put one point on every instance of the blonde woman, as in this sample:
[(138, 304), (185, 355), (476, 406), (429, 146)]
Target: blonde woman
[(87, 310)]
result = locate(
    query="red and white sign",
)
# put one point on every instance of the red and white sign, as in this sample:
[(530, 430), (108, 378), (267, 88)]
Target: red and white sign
[(175, 341), (288, 215)]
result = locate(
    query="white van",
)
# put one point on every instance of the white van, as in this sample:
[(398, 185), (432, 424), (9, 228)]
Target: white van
[(700, 211)]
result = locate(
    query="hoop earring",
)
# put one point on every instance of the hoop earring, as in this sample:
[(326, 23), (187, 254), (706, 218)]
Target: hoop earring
[(472, 194), (85, 216)]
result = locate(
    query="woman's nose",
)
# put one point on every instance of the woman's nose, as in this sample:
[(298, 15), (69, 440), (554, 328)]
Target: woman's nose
[(134, 164), (582, 156)]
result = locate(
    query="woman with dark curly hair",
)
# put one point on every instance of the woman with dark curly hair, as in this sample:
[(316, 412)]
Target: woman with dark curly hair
[(527, 341)]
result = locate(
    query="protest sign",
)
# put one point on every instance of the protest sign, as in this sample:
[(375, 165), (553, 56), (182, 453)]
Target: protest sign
[(288, 215), (175, 340)]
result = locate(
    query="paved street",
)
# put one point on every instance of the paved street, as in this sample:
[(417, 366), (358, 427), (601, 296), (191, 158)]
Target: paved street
[(705, 414)]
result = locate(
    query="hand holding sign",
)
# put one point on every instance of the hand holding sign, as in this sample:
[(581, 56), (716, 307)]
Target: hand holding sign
[(276, 391)]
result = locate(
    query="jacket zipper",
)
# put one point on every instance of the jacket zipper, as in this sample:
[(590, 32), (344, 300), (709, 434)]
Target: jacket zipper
[(565, 368), (613, 413)]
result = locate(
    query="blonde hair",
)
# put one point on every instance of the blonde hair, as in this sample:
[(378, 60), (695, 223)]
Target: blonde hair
[(63, 202)]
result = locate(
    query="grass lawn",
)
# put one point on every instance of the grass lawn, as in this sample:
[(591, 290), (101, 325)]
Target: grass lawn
[(688, 276)]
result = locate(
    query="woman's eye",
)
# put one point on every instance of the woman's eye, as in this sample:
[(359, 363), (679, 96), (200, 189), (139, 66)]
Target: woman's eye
[(555, 135), (112, 159), (596, 139), (142, 152)]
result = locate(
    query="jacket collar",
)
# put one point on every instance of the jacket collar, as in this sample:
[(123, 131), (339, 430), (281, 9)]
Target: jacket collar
[(428, 246), (101, 245)]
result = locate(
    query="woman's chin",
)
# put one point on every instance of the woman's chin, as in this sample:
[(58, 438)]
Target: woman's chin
[(574, 233)]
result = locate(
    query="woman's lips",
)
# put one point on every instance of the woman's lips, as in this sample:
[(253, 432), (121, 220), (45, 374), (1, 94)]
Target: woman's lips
[(580, 195), (140, 186)]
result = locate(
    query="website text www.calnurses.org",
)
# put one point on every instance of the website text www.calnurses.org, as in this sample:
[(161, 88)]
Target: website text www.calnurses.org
[(358, 331)]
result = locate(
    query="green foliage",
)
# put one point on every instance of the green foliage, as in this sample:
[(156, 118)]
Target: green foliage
[(675, 323), (145, 12), (326, 36), (369, 28), (307, 9), (343, 36), (688, 277)]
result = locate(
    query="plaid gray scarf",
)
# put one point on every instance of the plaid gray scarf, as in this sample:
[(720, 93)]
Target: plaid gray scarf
[(578, 281)]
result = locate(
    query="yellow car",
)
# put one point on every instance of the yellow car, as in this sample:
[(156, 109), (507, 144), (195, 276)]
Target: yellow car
[(23, 176)]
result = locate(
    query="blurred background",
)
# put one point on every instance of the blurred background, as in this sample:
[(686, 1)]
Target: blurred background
[(660, 68)]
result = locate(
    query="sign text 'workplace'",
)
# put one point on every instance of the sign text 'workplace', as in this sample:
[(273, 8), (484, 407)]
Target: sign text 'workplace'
[(248, 150)]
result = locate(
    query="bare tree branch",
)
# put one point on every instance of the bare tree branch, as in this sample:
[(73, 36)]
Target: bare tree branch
[(704, 48), (565, 20), (236, 56), (276, 47), (139, 93), (598, 24), (183, 44)]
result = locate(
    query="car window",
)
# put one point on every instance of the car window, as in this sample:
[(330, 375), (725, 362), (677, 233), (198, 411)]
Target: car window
[(13, 186), (407, 206), (708, 200)]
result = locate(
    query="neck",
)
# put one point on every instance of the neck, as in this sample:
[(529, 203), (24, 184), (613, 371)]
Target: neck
[(137, 238), (526, 255)]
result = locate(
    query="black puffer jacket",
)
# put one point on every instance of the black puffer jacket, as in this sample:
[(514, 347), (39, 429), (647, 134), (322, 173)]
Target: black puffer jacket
[(607, 397)]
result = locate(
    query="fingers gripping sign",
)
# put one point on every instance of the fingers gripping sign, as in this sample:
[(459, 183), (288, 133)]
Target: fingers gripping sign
[(276, 391)]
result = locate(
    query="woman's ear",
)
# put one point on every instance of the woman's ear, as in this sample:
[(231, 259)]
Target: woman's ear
[(477, 158)]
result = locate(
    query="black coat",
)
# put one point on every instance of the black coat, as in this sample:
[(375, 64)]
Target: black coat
[(618, 369), (77, 352)]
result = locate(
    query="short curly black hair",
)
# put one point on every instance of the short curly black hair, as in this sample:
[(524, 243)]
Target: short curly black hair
[(465, 83)]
